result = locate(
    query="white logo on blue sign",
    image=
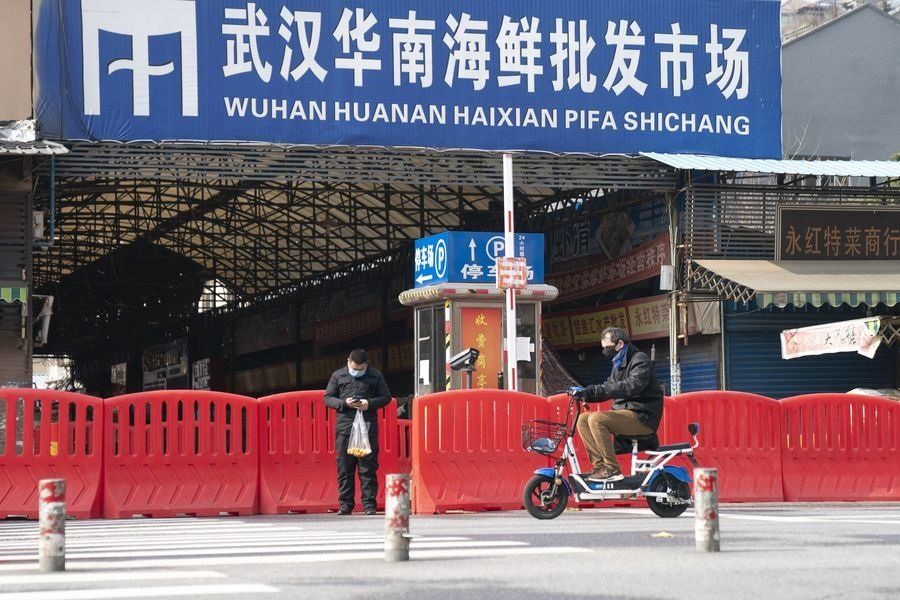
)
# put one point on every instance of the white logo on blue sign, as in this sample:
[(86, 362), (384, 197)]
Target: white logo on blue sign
[(140, 21), (495, 247), (440, 259)]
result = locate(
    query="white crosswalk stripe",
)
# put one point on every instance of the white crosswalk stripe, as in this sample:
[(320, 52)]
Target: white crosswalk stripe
[(117, 559)]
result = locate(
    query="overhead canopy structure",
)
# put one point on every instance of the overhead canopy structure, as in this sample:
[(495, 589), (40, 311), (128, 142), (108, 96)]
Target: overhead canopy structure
[(262, 217), (799, 282), (835, 168)]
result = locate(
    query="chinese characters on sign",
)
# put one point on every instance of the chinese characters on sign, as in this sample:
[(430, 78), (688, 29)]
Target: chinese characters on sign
[(200, 375), (567, 76), (644, 319), (472, 257), (845, 233), (512, 273), (610, 234), (482, 330), (641, 263), (860, 335), (587, 327), (517, 47)]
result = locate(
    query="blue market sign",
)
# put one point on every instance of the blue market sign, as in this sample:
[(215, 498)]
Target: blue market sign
[(471, 257), (691, 76)]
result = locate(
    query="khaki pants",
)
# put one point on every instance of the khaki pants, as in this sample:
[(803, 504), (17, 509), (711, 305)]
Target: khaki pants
[(596, 430)]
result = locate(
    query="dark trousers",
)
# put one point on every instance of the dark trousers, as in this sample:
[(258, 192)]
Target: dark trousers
[(346, 471)]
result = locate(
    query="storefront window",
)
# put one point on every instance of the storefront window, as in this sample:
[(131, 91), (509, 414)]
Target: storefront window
[(527, 347), (431, 352)]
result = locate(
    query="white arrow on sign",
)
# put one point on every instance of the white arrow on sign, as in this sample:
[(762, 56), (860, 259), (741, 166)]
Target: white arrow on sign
[(472, 248), (422, 278)]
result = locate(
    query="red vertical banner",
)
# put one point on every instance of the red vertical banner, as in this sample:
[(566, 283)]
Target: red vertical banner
[(482, 329)]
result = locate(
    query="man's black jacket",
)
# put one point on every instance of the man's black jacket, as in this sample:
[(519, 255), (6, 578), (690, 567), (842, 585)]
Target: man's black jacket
[(371, 387), (634, 387)]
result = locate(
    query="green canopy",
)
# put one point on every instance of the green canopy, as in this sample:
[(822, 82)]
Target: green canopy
[(13, 294)]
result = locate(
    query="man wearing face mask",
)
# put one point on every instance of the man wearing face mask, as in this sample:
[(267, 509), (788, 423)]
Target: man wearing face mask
[(356, 387), (636, 410)]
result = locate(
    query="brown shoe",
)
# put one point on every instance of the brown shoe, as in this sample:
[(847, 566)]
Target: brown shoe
[(605, 474)]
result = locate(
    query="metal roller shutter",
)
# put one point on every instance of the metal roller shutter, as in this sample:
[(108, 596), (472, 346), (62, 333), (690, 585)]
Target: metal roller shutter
[(699, 364), (754, 364), (15, 360)]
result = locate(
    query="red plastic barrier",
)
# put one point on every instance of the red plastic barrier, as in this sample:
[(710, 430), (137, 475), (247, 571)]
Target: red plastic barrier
[(297, 468), (46, 434), (841, 447), (395, 445), (467, 450), (177, 452), (740, 434)]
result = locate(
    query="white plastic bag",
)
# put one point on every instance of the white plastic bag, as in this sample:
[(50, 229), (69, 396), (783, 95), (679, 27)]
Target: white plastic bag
[(359, 437)]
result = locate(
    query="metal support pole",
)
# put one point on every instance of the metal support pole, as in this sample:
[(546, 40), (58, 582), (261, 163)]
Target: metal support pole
[(52, 511), (674, 362), (509, 225), (706, 508), (396, 518)]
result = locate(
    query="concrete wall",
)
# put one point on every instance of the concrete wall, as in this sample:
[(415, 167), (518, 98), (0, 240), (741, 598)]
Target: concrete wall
[(841, 90), (15, 60)]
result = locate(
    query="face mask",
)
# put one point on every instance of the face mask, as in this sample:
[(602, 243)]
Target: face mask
[(356, 373), (609, 351)]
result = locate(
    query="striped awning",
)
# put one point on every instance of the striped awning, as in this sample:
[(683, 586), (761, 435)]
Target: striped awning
[(801, 282), (13, 293), (782, 299)]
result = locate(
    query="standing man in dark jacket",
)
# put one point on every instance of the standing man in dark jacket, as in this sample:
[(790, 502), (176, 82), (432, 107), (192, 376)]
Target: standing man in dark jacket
[(356, 387), (637, 409)]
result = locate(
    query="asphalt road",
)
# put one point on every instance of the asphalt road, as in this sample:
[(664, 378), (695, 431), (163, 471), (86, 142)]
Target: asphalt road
[(768, 551)]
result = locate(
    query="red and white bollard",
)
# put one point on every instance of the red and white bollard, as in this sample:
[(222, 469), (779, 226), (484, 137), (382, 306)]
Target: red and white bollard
[(52, 511), (396, 518), (706, 508)]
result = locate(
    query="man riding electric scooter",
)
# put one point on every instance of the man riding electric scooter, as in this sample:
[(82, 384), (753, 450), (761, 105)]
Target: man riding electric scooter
[(636, 410)]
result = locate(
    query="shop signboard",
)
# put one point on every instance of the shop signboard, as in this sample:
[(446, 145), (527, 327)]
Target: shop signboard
[(166, 366), (641, 263), (838, 232), (694, 76), (642, 318)]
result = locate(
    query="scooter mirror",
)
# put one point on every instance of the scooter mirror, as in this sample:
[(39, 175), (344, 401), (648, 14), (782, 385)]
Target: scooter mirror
[(694, 428)]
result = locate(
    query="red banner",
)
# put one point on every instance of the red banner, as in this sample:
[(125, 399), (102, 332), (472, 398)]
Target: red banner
[(482, 329), (639, 264)]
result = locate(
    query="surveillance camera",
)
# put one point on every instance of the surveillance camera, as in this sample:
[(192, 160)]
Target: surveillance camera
[(464, 360)]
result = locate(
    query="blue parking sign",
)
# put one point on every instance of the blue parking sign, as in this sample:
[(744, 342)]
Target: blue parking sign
[(471, 257)]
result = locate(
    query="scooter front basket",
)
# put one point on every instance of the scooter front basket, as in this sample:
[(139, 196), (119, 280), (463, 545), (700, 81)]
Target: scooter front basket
[(543, 437)]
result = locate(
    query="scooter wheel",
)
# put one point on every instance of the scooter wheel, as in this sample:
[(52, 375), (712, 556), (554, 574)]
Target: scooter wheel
[(661, 507), (538, 501)]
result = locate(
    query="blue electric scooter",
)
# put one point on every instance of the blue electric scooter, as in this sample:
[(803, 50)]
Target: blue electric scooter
[(666, 487)]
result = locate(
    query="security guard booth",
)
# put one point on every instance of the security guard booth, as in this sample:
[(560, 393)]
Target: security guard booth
[(458, 306), (451, 317)]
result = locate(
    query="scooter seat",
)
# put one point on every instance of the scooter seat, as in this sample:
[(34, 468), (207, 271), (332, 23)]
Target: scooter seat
[(672, 447), (622, 443)]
